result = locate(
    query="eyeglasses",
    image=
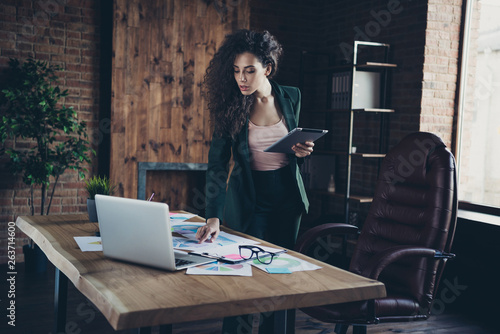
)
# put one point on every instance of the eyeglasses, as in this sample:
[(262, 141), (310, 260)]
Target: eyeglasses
[(263, 256)]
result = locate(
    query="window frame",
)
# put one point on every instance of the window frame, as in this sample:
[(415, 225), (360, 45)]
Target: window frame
[(467, 11)]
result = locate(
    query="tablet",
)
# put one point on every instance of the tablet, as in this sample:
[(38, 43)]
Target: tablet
[(297, 135)]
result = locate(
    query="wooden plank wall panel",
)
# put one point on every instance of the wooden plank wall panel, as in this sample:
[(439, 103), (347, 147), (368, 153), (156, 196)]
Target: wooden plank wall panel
[(161, 49), (165, 186)]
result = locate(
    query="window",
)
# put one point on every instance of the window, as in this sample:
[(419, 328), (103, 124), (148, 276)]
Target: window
[(479, 111)]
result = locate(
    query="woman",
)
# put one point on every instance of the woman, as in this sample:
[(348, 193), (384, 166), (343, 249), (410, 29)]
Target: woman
[(265, 196)]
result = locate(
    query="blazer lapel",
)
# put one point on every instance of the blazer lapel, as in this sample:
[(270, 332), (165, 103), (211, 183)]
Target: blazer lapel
[(243, 142), (285, 105)]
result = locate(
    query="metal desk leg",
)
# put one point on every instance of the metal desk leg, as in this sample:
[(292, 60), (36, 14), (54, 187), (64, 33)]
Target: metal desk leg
[(280, 322), (60, 301), (284, 322), (290, 321)]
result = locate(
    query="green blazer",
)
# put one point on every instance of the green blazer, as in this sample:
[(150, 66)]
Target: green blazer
[(234, 203)]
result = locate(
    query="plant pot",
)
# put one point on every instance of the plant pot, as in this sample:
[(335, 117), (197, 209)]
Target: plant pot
[(35, 260), (91, 210)]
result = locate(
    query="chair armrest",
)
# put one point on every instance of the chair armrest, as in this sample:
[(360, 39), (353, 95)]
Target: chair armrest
[(308, 238), (390, 255)]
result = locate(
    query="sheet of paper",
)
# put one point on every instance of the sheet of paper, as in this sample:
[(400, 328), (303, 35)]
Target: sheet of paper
[(89, 244), (180, 217), (190, 244), (189, 241), (185, 228), (273, 270), (286, 261), (237, 240), (221, 269)]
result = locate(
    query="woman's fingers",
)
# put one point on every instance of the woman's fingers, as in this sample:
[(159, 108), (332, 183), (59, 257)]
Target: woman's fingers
[(207, 231), (303, 149)]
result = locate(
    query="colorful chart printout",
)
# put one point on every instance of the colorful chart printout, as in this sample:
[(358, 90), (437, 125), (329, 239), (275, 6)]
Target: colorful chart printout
[(286, 261), (180, 217), (187, 228), (222, 269)]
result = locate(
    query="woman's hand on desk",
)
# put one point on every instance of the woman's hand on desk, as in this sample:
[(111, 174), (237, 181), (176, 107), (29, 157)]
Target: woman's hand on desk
[(211, 229), (303, 149)]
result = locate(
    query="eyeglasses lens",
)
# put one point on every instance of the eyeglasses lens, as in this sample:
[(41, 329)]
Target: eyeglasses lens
[(265, 257), (246, 253)]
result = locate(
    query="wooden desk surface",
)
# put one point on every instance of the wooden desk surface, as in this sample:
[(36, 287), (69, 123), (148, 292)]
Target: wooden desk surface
[(132, 296)]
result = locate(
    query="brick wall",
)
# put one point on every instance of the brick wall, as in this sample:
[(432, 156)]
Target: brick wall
[(66, 33), (440, 68)]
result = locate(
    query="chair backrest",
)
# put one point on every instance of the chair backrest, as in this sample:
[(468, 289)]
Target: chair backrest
[(415, 204)]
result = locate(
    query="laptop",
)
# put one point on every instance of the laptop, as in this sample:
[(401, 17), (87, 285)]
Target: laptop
[(139, 231)]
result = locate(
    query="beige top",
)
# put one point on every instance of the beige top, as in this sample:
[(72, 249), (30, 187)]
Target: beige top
[(260, 138)]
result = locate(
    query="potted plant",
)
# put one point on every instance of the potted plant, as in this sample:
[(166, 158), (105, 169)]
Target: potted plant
[(54, 139), (97, 185)]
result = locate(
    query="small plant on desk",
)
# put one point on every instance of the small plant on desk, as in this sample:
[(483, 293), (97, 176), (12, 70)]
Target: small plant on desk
[(97, 185)]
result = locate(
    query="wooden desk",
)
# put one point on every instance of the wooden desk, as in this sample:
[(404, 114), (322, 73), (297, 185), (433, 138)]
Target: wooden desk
[(133, 296)]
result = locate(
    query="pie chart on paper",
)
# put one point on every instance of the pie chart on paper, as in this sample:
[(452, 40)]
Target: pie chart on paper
[(221, 267), (282, 262), (286, 261)]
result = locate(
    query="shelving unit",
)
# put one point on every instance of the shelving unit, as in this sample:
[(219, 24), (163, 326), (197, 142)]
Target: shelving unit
[(342, 83)]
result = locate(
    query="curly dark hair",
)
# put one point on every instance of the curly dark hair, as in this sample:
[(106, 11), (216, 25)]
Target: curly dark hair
[(229, 108)]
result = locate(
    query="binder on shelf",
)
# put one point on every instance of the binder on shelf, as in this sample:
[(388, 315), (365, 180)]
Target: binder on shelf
[(341, 89), (366, 93), (335, 90)]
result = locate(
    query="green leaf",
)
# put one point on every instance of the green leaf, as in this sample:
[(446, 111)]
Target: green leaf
[(98, 185)]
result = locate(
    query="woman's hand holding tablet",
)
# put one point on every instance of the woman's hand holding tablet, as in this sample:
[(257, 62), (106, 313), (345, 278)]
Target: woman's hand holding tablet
[(297, 135)]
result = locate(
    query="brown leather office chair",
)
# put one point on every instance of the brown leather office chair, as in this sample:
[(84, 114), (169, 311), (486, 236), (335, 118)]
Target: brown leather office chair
[(405, 240)]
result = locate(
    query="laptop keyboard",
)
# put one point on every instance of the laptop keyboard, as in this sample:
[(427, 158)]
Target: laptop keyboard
[(181, 262)]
